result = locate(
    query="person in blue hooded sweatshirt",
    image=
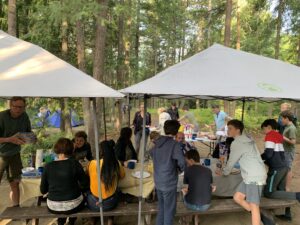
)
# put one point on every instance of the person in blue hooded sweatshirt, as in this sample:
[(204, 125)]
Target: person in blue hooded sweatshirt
[(168, 161)]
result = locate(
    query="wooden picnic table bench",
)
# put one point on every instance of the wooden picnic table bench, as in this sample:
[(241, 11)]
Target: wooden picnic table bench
[(218, 206)]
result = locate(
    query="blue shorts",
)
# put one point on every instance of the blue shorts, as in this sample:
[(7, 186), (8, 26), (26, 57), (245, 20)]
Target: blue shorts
[(200, 208)]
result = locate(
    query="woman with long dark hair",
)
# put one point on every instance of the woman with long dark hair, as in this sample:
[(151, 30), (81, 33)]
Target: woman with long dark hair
[(111, 171), (124, 147)]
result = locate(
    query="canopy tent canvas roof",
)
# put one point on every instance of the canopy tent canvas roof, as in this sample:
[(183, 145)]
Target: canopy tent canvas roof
[(221, 72), (28, 70)]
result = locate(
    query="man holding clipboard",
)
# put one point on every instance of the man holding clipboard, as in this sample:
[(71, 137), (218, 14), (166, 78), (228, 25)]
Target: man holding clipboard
[(13, 121)]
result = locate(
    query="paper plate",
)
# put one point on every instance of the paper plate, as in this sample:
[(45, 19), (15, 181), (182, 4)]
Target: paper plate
[(28, 169), (137, 174), (235, 171)]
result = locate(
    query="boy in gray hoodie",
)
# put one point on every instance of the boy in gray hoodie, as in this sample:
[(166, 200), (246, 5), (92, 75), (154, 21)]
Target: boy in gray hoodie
[(168, 159), (244, 151)]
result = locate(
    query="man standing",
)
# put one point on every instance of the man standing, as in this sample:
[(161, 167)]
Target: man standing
[(289, 143), (173, 111), (168, 159), (219, 118), (12, 121), (285, 107)]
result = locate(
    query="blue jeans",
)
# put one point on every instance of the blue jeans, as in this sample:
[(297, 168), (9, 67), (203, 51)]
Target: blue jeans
[(200, 208), (108, 204), (166, 207)]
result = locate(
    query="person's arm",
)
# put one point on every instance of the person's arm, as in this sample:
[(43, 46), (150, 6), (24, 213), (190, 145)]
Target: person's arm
[(179, 157), (291, 139), (122, 171), (83, 180), (133, 152), (134, 119), (28, 126), (119, 153), (12, 139), (89, 154), (44, 186), (269, 150), (235, 155)]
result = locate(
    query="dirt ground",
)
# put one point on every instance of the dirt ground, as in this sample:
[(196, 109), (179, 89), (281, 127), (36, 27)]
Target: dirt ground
[(227, 219)]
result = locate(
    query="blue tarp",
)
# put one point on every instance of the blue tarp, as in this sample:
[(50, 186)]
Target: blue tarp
[(54, 119)]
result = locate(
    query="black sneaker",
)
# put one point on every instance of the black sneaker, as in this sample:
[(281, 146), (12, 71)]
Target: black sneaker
[(285, 218)]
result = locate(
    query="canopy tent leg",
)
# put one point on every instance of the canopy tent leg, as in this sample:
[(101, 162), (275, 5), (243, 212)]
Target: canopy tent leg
[(104, 119), (142, 153), (97, 158), (243, 109), (128, 109)]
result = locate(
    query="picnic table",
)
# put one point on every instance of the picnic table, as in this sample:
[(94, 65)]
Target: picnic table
[(211, 143), (30, 187), (226, 185)]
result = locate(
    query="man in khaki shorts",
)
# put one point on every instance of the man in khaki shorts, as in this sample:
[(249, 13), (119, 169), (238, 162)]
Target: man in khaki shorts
[(12, 121)]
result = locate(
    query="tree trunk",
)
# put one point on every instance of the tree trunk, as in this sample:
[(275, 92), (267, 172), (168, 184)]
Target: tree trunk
[(62, 109), (209, 7), (88, 123), (99, 52), (137, 43), (238, 27), (227, 35), (65, 112), (12, 18), (280, 9), (298, 63), (120, 65)]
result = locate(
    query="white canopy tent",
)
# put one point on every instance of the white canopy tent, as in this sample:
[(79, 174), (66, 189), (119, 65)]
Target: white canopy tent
[(28, 70), (221, 72)]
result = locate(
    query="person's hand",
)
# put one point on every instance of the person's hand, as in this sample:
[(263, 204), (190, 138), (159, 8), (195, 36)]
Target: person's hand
[(285, 138), (213, 188), (184, 191), (125, 163), (15, 140), (218, 172)]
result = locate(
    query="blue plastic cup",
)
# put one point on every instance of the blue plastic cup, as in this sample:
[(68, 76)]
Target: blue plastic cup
[(131, 165), (207, 162), (41, 170)]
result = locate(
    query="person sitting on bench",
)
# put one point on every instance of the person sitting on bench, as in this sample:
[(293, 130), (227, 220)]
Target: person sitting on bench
[(64, 180), (197, 194), (111, 172)]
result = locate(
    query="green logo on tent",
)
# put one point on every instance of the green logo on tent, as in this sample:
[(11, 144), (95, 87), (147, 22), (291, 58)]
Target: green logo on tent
[(269, 87)]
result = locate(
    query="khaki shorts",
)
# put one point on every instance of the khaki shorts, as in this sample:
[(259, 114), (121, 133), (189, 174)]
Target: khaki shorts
[(13, 167)]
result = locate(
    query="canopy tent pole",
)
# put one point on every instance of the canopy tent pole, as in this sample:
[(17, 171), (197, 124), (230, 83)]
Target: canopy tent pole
[(97, 159), (128, 109), (142, 153), (243, 109), (104, 119)]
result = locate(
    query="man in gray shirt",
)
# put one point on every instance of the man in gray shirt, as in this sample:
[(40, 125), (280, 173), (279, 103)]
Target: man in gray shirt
[(12, 121)]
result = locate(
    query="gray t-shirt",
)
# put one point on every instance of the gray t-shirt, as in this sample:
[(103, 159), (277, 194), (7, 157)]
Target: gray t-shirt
[(10, 126), (199, 179), (290, 132)]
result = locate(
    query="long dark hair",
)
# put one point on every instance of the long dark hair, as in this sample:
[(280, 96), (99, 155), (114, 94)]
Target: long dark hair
[(125, 134), (110, 170)]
